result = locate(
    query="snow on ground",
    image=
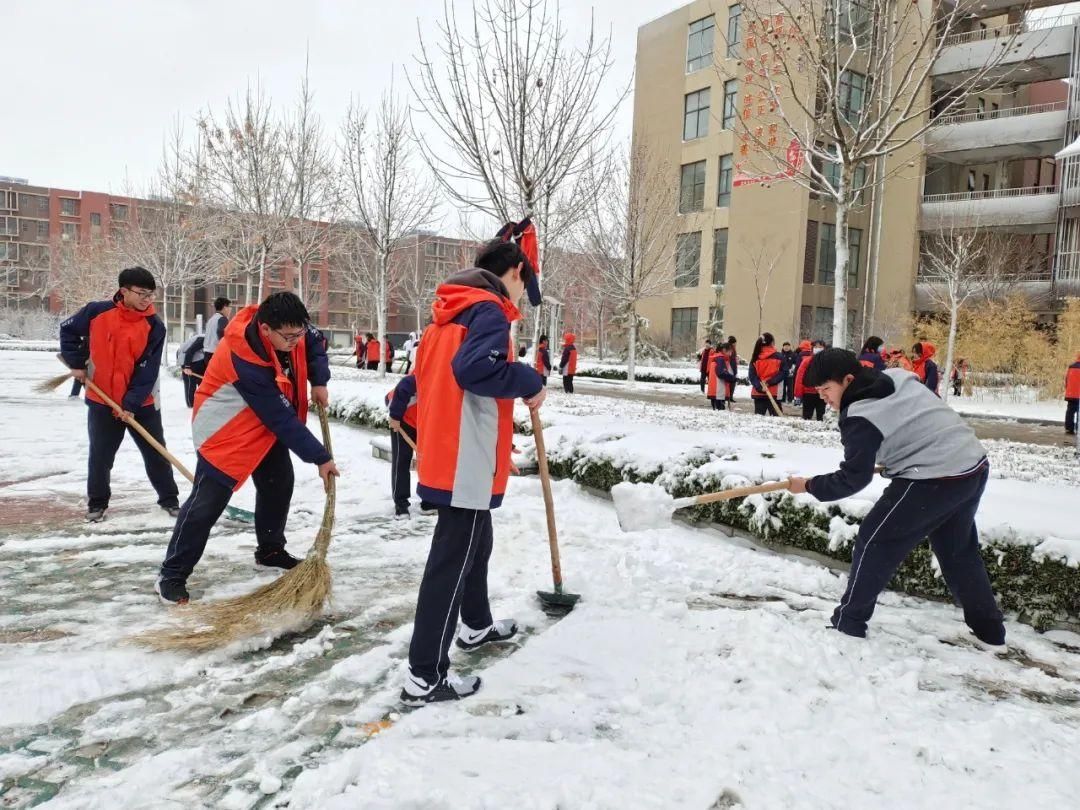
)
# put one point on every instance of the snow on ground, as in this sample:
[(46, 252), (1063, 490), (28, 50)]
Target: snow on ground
[(695, 672), (1021, 402)]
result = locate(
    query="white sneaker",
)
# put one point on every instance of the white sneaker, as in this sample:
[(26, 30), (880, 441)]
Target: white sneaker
[(418, 692), (502, 630)]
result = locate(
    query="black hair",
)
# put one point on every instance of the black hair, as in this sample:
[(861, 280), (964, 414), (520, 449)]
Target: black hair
[(724, 347), (831, 365), (818, 342), (368, 336), (872, 345), (221, 302), (521, 351), (766, 339), (283, 309), (709, 341), (136, 277), (731, 339), (917, 349), (498, 257), (787, 342), (543, 339)]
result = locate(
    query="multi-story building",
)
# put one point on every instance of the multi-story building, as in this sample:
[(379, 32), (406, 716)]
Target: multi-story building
[(989, 167)]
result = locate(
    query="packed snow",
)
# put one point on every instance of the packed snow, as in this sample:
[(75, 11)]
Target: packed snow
[(695, 672)]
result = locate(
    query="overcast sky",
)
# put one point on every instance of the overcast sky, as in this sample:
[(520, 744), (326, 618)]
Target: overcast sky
[(92, 87)]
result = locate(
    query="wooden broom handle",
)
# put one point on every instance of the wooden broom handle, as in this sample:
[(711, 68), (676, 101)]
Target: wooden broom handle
[(401, 432), (741, 492), (772, 400), (549, 504), (142, 431)]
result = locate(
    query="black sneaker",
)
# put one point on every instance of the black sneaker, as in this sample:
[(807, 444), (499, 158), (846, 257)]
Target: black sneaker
[(277, 559), (417, 692), (95, 515), (172, 592), (172, 510), (401, 513), (428, 508), (501, 630)]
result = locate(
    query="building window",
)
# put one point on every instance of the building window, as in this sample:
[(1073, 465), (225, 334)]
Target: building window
[(734, 15), (719, 255), (806, 322), (43, 230), (827, 254), (9, 200), (994, 109), (683, 328), (95, 220), (731, 101), (692, 188), (9, 226), (688, 259), (823, 324), (69, 207), (986, 182), (980, 107), (831, 173), (971, 180), (69, 230), (851, 93), (696, 115), (699, 44), (723, 193), (118, 212), (854, 18)]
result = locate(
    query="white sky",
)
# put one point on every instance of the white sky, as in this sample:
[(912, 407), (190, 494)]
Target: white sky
[(92, 87)]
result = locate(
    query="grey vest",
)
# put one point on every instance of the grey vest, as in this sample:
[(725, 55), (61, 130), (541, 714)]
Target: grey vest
[(923, 437), (211, 341)]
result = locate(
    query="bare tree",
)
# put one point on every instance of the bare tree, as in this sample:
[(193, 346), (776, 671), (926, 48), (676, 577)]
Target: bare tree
[(387, 196), (832, 88), (419, 278), (519, 110), (761, 262), (627, 232), (83, 270), (250, 182), (310, 161), (169, 234)]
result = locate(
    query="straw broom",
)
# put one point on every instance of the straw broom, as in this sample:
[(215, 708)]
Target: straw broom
[(294, 598)]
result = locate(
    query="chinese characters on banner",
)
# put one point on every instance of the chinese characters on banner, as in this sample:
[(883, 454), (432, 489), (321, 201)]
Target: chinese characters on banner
[(758, 142)]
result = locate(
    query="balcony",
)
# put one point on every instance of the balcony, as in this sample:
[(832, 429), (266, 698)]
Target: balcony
[(1018, 210), (985, 137), (1037, 51)]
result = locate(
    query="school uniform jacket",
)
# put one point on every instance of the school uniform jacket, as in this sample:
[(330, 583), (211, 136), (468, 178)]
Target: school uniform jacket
[(402, 401), (1072, 380)]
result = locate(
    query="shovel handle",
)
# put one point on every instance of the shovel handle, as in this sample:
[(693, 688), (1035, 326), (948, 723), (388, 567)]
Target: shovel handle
[(408, 441), (740, 492), (549, 504), (141, 431)]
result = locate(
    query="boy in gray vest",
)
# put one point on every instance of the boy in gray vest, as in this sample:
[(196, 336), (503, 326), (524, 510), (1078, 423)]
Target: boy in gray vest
[(215, 327), (938, 470)]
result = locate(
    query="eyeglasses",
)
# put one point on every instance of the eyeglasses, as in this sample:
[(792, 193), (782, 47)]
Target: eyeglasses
[(290, 337), (145, 295)]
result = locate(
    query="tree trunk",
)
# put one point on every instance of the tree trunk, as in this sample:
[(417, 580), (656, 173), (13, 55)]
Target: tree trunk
[(950, 350), (380, 308), (600, 332), (300, 281), (165, 323), (183, 312), (631, 349), (247, 289), (262, 273), (840, 335)]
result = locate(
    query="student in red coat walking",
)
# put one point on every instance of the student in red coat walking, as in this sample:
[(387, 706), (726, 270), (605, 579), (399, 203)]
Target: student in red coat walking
[(1072, 395)]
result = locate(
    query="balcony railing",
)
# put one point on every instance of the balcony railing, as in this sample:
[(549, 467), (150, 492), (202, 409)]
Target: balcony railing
[(993, 194), (1007, 31), (994, 115)]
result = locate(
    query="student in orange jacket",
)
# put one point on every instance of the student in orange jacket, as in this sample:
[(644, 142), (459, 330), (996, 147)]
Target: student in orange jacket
[(402, 403), (118, 345), (467, 380), (388, 354), (542, 361), (722, 375), (568, 362), (1072, 395), (924, 366), (371, 347), (767, 369), (250, 411)]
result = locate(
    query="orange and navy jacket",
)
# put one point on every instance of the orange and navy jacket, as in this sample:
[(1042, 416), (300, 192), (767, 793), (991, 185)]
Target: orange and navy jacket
[(769, 369), (568, 362), (249, 399), (925, 367), (805, 355), (360, 352), (467, 379), (721, 367), (402, 401), (389, 352), (120, 348), (542, 364), (1072, 380), (373, 350), (872, 360)]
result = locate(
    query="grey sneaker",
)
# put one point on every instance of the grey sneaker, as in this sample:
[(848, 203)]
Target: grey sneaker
[(95, 515)]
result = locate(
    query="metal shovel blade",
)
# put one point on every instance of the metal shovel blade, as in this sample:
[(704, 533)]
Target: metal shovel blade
[(642, 506), (558, 599)]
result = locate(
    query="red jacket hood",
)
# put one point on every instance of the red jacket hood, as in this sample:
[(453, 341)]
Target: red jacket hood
[(928, 350), (465, 289), (234, 333), (569, 338), (805, 346)]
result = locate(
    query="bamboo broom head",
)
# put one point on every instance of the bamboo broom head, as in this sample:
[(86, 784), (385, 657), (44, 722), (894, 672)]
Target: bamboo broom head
[(51, 384)]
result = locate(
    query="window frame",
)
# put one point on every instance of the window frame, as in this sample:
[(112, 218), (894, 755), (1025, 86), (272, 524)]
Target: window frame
[(726, 172), (730, 110), (687, 260), (720, 278), (706, 35), (696, 202), (699, 114), (734, 30)]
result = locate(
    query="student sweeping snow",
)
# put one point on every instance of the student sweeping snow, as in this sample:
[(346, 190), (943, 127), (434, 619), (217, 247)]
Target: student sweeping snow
[(250, 411), (467, 380), (938, 470), (402, 403), (118, 345)]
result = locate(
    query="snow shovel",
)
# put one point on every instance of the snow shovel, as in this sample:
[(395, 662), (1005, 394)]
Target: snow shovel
[(650, 506), (556, 598)]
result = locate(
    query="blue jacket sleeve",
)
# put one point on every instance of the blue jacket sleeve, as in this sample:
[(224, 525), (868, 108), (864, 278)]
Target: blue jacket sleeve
[(189, 356), (861, 442), (546, 357), (221, 324), (724, 369), (317, 362), (752, 374), (481, 365), (145, 374), (564, 361), (931, 375), (256, 385), (75, 334), (404, 394)]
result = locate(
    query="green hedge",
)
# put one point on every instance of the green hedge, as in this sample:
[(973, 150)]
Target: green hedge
[(620, 374), (365, 415), (1043, 593)]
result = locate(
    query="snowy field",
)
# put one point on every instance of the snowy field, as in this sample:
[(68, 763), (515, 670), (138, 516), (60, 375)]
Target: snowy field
[(695, 672)]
